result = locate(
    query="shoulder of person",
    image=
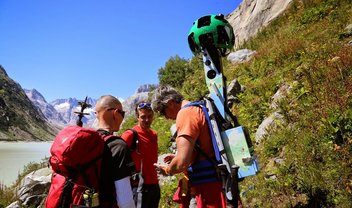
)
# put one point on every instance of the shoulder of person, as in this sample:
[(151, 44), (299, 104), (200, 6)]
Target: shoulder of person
[(190, 110), (154, 132), (116, 140), (129, 134)]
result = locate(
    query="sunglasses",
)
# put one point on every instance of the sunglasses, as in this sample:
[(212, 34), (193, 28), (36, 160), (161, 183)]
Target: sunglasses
[(118, 110), (144, 105)]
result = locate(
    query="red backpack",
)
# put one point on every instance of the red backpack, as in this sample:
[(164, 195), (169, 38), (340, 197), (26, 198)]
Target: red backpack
[(76, 156)]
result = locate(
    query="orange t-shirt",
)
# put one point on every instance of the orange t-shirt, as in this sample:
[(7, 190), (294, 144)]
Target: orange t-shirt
[(191, 121)]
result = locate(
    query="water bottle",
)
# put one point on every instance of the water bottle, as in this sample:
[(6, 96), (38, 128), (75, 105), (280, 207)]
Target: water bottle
[(91, 199)]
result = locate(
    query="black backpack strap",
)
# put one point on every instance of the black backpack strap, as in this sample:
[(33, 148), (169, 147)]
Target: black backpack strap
[(103, 132), (134, 145)]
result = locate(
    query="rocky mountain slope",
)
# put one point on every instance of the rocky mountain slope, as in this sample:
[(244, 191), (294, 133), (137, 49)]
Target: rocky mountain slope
[(19, 118), (252, 15), (47, 109)]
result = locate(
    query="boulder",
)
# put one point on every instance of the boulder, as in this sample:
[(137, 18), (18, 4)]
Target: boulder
[(33, 188)]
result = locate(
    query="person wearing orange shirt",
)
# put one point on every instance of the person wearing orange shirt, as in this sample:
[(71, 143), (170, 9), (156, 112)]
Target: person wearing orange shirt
[(194, 147)]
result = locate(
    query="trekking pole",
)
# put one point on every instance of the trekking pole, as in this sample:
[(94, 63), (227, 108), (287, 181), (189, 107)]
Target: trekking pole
[(81, 114), (234, 186)]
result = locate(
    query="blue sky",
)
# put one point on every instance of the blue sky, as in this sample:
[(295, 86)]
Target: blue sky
[(78, 48)]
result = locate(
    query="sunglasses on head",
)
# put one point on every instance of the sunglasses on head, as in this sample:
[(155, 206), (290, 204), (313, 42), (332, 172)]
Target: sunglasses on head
[(144, 105)]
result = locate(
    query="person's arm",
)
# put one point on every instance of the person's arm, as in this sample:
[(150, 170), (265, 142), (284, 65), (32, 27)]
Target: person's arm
[(124, 195), (121, 168), (182, 159)]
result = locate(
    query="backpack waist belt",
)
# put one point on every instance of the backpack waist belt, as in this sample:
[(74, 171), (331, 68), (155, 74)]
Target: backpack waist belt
[(202, 171)]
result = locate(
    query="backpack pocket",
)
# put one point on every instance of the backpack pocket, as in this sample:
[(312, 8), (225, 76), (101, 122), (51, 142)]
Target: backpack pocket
[(57, 196)]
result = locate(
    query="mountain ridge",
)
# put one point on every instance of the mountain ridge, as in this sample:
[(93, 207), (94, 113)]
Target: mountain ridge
[(61, 112), (20, 119)]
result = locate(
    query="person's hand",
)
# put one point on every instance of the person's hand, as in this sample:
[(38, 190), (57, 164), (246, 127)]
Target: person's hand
[(160, 169), (168, 158)]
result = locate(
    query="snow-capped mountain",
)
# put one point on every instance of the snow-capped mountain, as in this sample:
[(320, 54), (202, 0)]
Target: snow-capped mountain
[(67, 108), (48, 110), (62, 111)]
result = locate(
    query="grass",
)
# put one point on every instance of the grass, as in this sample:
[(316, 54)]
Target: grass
[(304, 49)]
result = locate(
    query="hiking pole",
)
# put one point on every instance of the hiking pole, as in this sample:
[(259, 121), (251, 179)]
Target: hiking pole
[(81, 114), (234, 186)]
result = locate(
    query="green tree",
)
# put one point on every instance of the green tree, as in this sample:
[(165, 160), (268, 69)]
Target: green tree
[(194, 86), (174, 72)]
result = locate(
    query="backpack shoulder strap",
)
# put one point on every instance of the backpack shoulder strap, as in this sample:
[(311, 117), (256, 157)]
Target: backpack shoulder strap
[(202, 105), (198, 103), (105, 135), (135, 139)]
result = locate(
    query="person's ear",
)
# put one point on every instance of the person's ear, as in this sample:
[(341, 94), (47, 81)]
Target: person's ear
[(113, 115), (171, 103)]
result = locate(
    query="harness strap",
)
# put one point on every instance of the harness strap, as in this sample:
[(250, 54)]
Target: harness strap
[(220, 171), (201, 104), (134, 146), (138, 191), (140, 188)]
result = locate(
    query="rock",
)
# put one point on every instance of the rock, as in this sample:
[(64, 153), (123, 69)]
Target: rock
[(15, 204), (347, 32), (240, 56), (252, 15), (33, 187), (266, 126), (233, 90), (280, 94)]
